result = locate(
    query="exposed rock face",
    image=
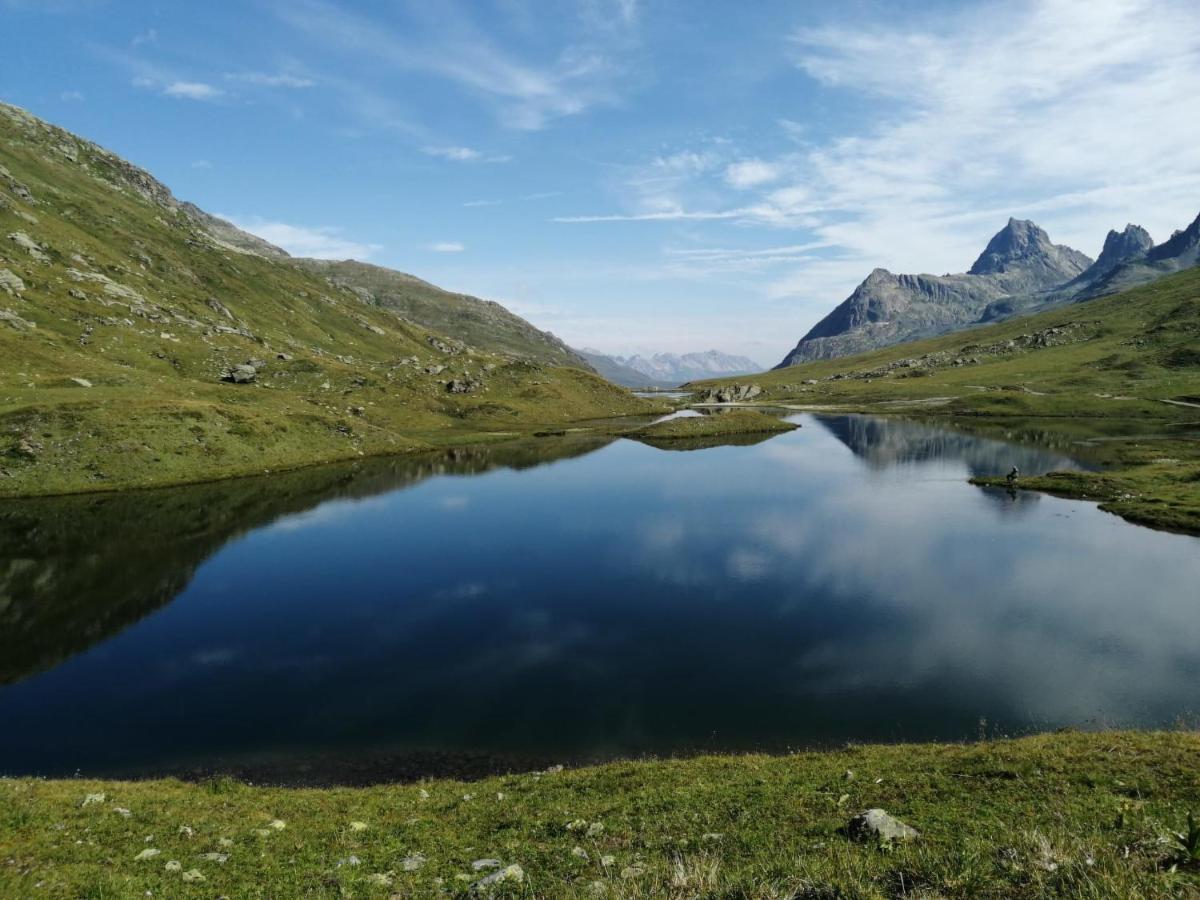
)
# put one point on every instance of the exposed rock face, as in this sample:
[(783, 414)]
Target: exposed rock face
[(1120, 246), (889, 309), (1025, 249)]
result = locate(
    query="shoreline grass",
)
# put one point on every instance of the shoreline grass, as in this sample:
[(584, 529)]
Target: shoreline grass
[(1063, 814)]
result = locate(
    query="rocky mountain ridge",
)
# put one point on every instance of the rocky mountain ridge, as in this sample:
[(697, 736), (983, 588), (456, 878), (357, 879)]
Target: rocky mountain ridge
[(1020, 272)]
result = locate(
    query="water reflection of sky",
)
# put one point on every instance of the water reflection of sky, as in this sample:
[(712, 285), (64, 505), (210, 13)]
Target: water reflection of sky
[(838, 582)]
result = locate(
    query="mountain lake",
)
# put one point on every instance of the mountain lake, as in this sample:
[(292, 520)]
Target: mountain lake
[(572, 599)]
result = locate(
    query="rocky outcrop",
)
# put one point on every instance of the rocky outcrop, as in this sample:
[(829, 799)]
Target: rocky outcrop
[(731, 393), (889, 309)]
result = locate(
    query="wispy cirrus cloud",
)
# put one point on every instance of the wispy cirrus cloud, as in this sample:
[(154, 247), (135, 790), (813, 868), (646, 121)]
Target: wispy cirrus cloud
[(445, 42), (445, 247), (322, 242)]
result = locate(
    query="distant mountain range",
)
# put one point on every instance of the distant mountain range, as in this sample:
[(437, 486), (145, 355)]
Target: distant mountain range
[(1020, 272), (668, 369)]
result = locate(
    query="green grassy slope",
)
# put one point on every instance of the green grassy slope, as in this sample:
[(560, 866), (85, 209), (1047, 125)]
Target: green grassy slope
[(1063, 815), (483, 323), (119, 312), (1133, 357)]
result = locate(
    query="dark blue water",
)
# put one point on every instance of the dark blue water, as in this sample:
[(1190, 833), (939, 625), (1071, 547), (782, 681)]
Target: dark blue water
[(576, 599)]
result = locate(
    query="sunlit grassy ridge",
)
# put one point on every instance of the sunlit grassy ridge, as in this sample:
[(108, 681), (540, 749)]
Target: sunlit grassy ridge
[(119, 314), (1133, 356), (1064, 815)]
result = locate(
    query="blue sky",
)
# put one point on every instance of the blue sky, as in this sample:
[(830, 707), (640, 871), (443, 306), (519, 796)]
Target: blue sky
[(638, 175)]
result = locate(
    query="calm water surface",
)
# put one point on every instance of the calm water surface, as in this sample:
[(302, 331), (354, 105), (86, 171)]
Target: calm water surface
[(580, 599)]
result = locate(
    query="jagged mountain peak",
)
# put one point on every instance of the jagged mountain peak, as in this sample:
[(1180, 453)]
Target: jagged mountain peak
[(1184, 241), (1119, 246), (1019, 240)]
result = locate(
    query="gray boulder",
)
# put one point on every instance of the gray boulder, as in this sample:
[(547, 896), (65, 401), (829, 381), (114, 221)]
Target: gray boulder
[(11, 283), (463, 386), (243, 374), (875, 824)]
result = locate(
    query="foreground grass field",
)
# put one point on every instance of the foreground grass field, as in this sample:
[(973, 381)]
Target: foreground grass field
[(1132, 359), (1063, 815)]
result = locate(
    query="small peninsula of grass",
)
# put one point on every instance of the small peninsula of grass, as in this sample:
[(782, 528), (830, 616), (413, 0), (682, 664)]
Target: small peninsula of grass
[(1063, 815), (723, 424)]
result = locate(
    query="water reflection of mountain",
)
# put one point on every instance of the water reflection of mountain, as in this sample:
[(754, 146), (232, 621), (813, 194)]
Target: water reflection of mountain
[(76, 570), (886, 442)]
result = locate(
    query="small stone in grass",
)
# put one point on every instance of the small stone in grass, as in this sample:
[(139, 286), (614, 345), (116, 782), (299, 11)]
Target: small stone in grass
[(192, 875), (224, 842), (379, 878), (348, 861), (277, 824), (412, 863), (595, 829), (607, 860), (580, 853), (632, 872), (358, 826), (173, 865), (480, 864), (879, 825), (513, 874), (122, 811), (221, 858), (93, 798), (148, 853), (186, 831)]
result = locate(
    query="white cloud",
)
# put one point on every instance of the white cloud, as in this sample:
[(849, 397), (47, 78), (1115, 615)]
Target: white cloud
[(463, 154), (751, 173), (72, 97), (264, 79), (299, 240), (475, 204), (192, 90), (202, 164), (445, 247)]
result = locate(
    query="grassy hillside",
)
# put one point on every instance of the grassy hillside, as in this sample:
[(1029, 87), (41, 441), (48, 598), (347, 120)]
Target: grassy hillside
[(120, 313), (1132, 357), (1063, 815), (483, 323)]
